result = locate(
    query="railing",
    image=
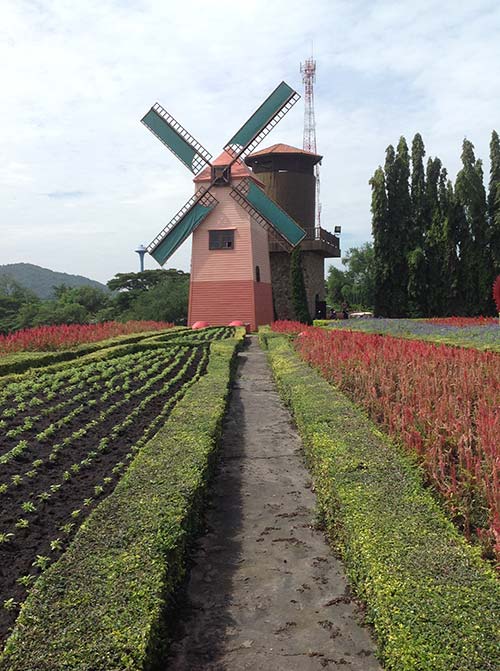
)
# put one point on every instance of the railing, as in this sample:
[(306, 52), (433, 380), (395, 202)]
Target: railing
[(317, 234)]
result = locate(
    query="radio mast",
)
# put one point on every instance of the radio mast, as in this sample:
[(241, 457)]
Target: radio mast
[(308, 71)]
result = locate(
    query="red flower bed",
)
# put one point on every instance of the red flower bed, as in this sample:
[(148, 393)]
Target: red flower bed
[(463, 321), (442, 402), (287, 326), (49, 338)]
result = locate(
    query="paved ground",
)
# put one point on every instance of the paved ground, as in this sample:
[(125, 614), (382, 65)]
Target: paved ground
[(265, 592)]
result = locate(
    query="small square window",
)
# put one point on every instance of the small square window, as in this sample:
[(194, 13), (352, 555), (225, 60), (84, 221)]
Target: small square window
[(221, 239)]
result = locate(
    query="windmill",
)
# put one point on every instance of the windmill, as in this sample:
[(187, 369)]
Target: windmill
[(229, 216)]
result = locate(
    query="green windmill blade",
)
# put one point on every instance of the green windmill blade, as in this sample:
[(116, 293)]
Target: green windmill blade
[(182, 225), (267, 213), (262, 121), (177, 139)]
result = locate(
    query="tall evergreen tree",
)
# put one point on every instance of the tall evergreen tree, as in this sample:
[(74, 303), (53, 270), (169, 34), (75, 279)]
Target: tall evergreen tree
[(381, 242), (418, 223), (475, 258), (400, 215), (434, 242), (454, 230), (494, 203)]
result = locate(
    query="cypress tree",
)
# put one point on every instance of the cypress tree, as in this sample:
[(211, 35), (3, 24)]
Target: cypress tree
[(434, 238), (381, 244), (400, 215), (475, 258), (299, 296), (453, 227), (418, 223), (494, 203)]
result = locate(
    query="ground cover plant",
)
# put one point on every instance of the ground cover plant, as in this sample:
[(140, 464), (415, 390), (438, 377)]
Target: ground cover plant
[(477, 332), (68, 433), (121, 570), (433, 602), (51, 338), (442, 403)]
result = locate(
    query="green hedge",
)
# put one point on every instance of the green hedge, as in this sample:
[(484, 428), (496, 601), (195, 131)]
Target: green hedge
[(433, 602), (101, 606), (20, 362)]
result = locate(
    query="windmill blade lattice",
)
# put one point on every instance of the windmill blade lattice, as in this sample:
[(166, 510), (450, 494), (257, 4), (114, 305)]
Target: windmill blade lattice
[(262, 121), (170, 132), (268, 214), (189, 217)]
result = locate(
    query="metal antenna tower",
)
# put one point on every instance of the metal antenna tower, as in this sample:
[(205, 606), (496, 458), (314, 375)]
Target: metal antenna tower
[(308, 71)]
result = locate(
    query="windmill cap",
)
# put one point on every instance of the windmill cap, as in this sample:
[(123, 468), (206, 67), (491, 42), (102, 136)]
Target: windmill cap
[(238, 170), (282, 149)]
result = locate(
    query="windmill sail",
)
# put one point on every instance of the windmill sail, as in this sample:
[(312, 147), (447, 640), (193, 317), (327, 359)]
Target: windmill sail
[(262, 121), (177, 139), (182, 225), (268, 213)]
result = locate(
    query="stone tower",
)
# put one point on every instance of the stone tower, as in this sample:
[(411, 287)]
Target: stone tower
[(288, 177)]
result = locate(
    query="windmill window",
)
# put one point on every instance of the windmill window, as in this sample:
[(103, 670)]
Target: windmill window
[(257, 274), (221, 239)]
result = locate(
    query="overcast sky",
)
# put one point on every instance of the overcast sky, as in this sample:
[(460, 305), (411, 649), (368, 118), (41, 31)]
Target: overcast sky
[(83, 182)]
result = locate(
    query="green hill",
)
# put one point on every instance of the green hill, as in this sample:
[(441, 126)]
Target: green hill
[(42, 280)]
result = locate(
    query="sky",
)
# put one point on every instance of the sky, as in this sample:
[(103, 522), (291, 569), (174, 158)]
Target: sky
[(83, 182)]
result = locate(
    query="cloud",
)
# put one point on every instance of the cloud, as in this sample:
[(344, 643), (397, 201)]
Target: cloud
[(77, 78), (66, 195)]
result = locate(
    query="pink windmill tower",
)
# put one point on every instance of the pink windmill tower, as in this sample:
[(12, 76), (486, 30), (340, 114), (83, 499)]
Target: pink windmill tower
[(229, 217)]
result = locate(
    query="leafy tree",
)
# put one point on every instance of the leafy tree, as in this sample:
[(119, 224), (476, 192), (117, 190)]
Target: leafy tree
[(165, 301), (13, 298), (129, 286), (299, 296), (356, 284), (335, 284)]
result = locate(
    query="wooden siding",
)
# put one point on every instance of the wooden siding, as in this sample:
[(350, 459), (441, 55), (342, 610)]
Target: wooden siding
[(220, 302), (223, 264)]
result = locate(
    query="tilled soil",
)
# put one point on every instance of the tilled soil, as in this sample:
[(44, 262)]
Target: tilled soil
[(265, 591), (16, 557)]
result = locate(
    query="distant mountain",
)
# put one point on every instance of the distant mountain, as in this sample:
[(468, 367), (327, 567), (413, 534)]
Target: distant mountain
[(42, 280)]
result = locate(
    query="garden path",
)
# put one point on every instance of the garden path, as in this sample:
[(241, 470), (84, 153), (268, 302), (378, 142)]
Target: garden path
[(265, 591)]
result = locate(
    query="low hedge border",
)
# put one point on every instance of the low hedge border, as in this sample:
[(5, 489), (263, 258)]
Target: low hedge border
[(433, 602), (101, 606), (20, 362)]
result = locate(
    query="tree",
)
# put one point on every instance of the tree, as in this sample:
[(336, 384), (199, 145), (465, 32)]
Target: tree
[(475, 260), (335, 284), (381, 242), (165, 301), (299, 296), (494, 203), (418, 225), (13, 299), (356, 284)]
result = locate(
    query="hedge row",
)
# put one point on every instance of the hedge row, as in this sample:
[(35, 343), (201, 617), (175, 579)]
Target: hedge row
[(433, 602), (102, 605), (20, 362)]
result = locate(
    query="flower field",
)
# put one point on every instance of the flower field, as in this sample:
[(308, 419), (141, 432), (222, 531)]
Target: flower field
[(442, 403), (50, 338), (478, 332), (69, 432)]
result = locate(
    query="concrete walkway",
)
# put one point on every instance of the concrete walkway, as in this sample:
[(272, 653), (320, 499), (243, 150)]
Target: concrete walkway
[(265, 591)]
